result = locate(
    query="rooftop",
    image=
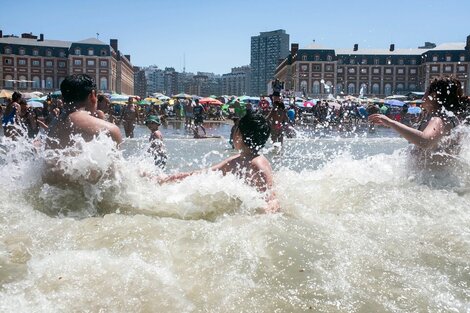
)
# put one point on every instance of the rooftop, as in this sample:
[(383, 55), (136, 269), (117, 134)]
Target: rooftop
[(35, 42)]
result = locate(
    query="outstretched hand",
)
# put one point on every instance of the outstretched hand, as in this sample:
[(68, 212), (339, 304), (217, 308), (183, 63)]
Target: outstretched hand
[(380, 119)]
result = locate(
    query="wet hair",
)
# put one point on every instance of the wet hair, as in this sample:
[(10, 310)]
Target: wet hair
[(16, 96), (255, 130), (448, 93), (76, 88)]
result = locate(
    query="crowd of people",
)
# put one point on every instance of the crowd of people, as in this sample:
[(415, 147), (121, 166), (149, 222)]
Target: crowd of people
[(83, 112)]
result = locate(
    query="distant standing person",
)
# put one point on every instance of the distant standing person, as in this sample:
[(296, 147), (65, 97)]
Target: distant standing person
[(198, 112), (188, 113), (11, 116), (30, 120), (279, 120), (129, 117)]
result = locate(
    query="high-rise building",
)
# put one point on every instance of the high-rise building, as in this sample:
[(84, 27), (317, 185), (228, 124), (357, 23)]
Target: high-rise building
[(31, 63), (267, 50), (140, 82), (155, 79), (237, 82)]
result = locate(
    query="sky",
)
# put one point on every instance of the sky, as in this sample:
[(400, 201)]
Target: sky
[(214, 36)]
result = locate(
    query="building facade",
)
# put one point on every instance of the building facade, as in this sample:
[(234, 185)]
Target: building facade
[(319, 72), (30, 63), (237, 82), (266, 50)]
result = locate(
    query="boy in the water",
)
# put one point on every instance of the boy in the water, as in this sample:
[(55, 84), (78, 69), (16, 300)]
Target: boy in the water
[(250, 135), (157, 147)]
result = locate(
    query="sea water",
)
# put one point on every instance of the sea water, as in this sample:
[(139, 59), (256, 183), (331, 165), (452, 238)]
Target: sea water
[(358, 232)]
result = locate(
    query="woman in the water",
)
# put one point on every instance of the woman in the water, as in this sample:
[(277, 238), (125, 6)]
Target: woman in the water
[(435, 145)]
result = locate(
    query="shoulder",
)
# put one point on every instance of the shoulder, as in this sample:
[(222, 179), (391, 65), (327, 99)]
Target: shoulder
[(261, 163)]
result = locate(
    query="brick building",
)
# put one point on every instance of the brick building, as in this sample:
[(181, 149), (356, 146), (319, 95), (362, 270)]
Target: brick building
[(317, 71), (30, 63)]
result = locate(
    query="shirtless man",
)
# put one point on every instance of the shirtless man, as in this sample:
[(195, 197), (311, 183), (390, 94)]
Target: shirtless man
[(251, 134), (129, 117), (79, 93)]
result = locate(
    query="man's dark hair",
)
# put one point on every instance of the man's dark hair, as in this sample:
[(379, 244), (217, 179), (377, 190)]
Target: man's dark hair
[(76, 88), (16, 96), (255, 130), (101, 97), (448, 92)]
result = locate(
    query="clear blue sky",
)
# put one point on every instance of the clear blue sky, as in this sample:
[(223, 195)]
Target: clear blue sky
[(215, 35)]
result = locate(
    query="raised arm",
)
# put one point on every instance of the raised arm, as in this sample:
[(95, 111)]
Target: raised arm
[(427, 138)]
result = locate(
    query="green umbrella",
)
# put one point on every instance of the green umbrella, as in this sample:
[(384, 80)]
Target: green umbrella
[(144, 102)]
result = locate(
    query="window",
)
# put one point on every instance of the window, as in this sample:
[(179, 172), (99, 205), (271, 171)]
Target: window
[(104, 63), (91, 51), (462, 58), (21, 62), (434, 69), (412, 71), (434, 58), (62, 53), (77, 62), (35, 52), (448, 58), (328, 87), (49, 52), (351, 61), (49, 64), (7, 50), (388, 71), (376, 61), (461, 68), (375, 88), (23, 84), (388, 89), (413, 61), (401, 62), (329, 58), (36, 82), (400, 71), (364, 61), (400, 87), (316, 87), (329, 68), (103, 83), (340, 70), (340, 61), (376, 71), (303, 86), (90, 62), (351, 70), (389, 61), (22, 51), (8, 61), (316, 68), (412, 87), (317, 57), (49, 83), (77, 51), (9, 81), (35, 63), (339, 88), (103, 52), (448, 68), (61, 64), (363, 89), (351, 88), (304, 57), (363, 71)]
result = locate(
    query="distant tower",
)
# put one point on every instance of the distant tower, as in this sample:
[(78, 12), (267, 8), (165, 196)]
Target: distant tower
[(266, 51)]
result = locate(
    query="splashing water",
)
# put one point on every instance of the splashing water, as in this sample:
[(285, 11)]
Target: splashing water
[(358, 233)]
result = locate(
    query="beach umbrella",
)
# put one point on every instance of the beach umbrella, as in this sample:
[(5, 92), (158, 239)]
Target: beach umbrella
[(209, 100), (414, 110), (182, 96), (395, 103), (163, 98), (35, 104), (415, 102), (118, 97), (308, 104), (5, 93), (144, 102), (56, 94)]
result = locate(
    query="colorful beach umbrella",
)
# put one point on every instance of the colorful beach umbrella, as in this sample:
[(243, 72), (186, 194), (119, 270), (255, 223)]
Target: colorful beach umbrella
[(182, 96), (5, 93), (210, 101)]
